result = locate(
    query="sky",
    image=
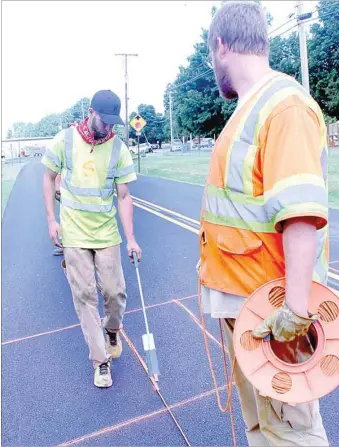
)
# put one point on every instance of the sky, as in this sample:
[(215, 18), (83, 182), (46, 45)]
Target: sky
[(55, 52)]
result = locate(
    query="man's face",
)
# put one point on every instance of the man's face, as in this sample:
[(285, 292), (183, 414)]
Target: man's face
[(99, 128), (222, 76)]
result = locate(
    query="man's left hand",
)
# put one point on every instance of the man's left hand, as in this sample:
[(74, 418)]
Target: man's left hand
[(132, 246)]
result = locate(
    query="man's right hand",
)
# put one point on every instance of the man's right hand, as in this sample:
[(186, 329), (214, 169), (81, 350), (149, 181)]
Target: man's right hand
[(54, 233)]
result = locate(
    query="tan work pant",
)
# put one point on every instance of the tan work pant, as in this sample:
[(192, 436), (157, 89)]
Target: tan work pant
[(273, 423), (82, 267)]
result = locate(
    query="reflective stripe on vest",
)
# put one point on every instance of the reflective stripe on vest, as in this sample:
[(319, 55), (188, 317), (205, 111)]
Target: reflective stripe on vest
[(259, 214), (92, 207), (243, 151), (111, 173), (54, 158)]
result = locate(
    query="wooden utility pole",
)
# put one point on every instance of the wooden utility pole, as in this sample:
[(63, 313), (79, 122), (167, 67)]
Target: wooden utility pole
[(126, 55)]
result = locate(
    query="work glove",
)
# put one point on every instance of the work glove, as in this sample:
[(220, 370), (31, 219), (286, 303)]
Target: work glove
[(284, 325)]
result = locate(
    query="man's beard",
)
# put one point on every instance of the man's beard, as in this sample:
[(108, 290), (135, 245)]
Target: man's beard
[(98, 135), (224, 83)]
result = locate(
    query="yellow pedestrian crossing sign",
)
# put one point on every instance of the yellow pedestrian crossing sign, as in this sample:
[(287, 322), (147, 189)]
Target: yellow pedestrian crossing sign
[(138, 123)]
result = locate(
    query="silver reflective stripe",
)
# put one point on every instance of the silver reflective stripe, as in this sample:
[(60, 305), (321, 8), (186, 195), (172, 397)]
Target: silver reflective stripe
[(54, 158), (68, 153), (239, 150), (91, 207), (218, 203), (222, 206), (294, 195), (109, 184), (124, 171), (77, 191)]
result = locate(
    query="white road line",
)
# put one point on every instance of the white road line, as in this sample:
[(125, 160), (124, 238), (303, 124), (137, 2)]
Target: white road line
[(174, 213), (170, 219), (333, 275)]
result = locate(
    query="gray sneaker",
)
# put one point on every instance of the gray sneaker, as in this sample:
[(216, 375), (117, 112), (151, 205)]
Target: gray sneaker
[(58, 251), (102, 376)]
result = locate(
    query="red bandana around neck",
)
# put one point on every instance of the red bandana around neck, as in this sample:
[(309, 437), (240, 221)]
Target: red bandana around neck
[(87, 136)]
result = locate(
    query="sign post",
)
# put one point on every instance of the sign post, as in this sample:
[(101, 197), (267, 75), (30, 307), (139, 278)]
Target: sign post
[(138, 123)]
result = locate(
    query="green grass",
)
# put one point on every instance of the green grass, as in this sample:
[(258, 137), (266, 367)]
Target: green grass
[(9, 174), (193, 168)]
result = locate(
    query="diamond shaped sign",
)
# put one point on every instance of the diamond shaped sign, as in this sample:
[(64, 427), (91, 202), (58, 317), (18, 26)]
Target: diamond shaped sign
[(138, 123)]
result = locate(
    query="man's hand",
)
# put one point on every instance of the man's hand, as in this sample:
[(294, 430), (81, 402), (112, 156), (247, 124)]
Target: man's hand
[(54, 233), (132, 246), (284, 325)]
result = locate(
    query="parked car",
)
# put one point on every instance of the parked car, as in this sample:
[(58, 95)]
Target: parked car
[(177, 145), (134, 150)]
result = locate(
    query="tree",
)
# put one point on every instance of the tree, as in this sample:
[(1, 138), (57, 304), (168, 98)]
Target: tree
[(324, 58), (51, 124), (284, 55)]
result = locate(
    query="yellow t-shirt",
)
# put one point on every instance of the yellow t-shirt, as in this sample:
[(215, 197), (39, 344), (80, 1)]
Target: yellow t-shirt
[(87, 229)]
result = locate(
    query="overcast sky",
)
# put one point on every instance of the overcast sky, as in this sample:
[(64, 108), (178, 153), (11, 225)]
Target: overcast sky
[(55, 52)]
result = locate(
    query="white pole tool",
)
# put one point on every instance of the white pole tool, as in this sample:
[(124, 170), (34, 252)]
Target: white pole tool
[(147, 339)]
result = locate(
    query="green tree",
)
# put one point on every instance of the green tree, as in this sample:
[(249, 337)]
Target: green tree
[(324, 58), (284, 55), (51, 124)]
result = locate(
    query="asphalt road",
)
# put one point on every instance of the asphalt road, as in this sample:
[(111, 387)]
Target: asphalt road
[(48, 396)]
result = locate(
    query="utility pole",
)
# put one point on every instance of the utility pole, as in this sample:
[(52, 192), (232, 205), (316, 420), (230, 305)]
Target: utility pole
[(126, 55), (171, 119), (301, 16)]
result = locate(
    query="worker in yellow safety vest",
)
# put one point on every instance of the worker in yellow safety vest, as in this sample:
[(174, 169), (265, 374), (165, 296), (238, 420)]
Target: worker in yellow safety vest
[(265, 208), (92, 160)]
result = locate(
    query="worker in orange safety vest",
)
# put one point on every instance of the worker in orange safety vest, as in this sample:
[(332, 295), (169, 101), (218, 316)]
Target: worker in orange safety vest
[(265, 208)]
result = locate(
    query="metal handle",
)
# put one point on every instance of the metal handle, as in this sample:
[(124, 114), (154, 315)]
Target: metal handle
[(135, 259)]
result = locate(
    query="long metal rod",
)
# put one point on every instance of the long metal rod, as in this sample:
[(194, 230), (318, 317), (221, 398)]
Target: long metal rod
[(142, 300)]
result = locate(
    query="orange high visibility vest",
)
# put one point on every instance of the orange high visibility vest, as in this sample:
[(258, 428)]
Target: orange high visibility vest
[(269, 164)]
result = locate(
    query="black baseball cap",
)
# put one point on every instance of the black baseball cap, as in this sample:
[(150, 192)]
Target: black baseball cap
[(107, 105)]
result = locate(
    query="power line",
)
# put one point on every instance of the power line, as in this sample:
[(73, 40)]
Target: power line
[(286, 23)]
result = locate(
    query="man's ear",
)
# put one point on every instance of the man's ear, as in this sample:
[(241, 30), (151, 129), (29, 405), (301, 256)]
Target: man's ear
[(90, 111), (222, 49)]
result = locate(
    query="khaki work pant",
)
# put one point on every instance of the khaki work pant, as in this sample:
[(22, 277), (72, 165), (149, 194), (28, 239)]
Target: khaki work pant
[(82, 268), (273, 423)]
